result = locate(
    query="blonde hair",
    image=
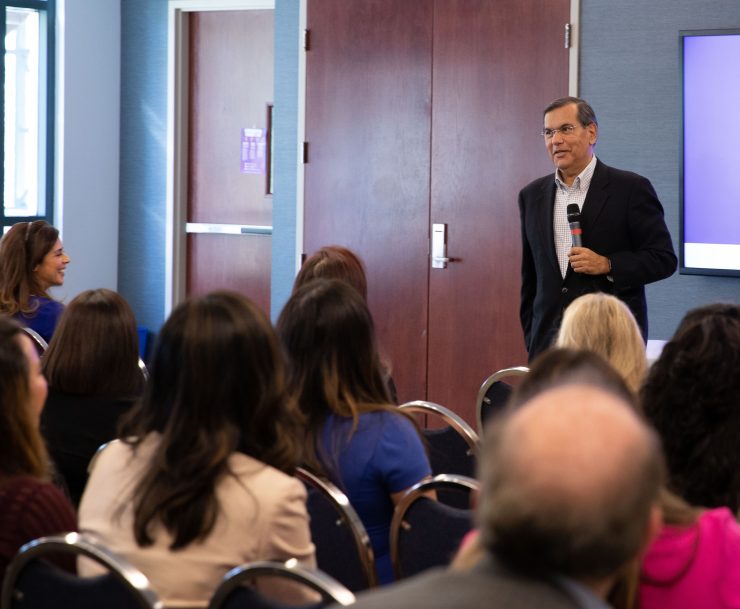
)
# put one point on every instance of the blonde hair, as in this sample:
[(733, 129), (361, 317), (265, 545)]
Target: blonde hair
[(604, 324)]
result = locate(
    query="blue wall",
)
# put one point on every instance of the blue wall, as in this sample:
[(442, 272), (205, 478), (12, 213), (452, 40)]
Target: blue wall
[(629, 72), (287, 39), (141, 271)]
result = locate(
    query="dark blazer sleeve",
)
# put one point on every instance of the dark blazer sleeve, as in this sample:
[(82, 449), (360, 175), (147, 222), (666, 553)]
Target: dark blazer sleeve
[(647, 254), (529, 279)]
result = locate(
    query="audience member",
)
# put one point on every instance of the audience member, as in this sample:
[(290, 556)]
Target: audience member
[(568, 499), (565, 366), (605, 325), (201, 480), (92, 366), (333, 262), (337, 262), (553, 368), (695, 561), (354, 436), (30, 505), (692, 397), (32, 260)]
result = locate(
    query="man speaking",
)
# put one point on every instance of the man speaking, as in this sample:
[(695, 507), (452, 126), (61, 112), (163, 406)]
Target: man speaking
[(588, 228)]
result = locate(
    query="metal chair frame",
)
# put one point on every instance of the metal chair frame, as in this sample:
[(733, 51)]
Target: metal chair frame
[(37, 339), (81, 545), (488, 383), (347, 514), (451, 418), (438, 482), (330, 589)]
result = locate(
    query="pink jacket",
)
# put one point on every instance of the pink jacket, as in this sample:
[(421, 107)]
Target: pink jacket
[(696, 567)]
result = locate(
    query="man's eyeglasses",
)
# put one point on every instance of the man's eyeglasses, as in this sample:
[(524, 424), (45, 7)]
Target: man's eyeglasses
[(564, 130)]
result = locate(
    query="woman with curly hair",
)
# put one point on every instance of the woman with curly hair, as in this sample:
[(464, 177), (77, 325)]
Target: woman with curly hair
[(32, 260), (692, 397), (201, 480)]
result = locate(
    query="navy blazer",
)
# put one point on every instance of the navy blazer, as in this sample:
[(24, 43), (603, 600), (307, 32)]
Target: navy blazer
[(621, 218)]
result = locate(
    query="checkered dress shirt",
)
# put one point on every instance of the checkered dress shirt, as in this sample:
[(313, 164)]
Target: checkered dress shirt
[(564, 196)]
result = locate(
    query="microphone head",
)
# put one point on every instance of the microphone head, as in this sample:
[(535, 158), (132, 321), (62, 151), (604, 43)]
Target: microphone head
[(574, 214)]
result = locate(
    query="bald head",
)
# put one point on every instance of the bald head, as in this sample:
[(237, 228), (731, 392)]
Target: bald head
[(569, 481)]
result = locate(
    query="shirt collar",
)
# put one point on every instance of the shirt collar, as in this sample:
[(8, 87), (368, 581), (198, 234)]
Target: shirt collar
[(583, 179), (582, 595)]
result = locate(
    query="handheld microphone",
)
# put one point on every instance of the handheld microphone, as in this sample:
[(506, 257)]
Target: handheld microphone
[(574, 221)]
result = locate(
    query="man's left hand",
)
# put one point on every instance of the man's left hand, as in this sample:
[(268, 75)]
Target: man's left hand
[(588, 262)]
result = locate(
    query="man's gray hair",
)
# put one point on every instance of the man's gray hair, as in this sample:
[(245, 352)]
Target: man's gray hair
[(586, 114)]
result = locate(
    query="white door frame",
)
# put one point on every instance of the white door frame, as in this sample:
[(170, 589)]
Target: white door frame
[(575, 47), (177, 134)]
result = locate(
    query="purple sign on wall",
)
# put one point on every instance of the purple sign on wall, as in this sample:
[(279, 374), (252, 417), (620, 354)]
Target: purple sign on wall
[(254, 151)]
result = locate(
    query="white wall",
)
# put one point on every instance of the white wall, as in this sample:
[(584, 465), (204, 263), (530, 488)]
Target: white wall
[(87, 142)]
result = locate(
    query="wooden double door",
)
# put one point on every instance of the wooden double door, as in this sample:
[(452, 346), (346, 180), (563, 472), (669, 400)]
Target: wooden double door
[(426, 112)]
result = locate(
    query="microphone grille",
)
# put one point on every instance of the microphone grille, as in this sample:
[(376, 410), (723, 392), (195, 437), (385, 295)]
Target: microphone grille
[(574, 214)]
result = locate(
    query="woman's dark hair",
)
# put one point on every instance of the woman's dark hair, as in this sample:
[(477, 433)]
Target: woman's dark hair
[(692, 397), (95, 349), (333, 262), (22, 249), (22, 450), (216, 386), (334, 368), (560, 366)]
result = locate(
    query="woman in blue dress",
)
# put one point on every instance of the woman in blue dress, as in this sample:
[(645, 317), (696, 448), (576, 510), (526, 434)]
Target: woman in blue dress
[(32, 260), (355, 436)]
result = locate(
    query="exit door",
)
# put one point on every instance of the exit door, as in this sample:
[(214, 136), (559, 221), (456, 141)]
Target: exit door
[(222, 202)]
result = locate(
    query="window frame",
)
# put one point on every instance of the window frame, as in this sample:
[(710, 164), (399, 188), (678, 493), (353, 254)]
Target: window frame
[(47, 68)]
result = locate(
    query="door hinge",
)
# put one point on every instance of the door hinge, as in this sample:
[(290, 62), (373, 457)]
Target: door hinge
[(305, 152), (306, 40), (568, 29)]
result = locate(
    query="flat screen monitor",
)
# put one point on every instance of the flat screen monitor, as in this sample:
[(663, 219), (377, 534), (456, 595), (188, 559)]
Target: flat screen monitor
[(710, 177)]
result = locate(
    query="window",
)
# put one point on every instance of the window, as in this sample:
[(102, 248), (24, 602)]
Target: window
[(26, 170)]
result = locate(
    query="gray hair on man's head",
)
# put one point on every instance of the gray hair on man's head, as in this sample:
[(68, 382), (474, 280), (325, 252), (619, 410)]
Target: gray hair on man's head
[(586, 114), (569, 483)]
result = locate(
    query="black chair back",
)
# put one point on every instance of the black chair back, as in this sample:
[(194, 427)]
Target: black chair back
[(343, 548), (449, 453), (426, 533), (452, 449), (234, 593), (494, 394), (33, 583)]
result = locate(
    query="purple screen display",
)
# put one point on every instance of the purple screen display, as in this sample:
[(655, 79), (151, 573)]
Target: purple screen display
[(711, 129)]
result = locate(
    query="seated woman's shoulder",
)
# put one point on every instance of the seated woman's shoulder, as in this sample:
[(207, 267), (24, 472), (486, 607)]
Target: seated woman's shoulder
[(253, 474)]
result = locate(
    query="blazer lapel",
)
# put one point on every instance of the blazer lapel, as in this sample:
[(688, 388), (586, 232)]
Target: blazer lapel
[(596, 197), (547, 205)]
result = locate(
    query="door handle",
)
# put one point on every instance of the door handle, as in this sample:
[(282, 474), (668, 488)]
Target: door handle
[(439, 246)]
